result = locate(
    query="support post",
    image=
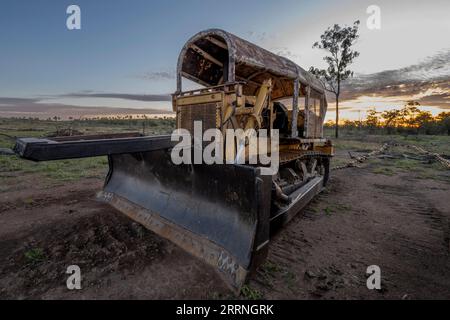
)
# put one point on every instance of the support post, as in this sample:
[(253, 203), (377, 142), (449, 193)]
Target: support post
[(322, 114), (294, 130), (306, 125)]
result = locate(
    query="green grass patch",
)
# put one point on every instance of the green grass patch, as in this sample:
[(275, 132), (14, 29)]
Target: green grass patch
[(355, 145), (417, 168), (387, 171), (34, 255), (289, 278), (60, 170), (249, 293), (67, 170), (271, 268), (338, 161)]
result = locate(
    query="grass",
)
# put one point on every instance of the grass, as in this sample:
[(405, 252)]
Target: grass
[(384, 171), (437, 144), (289, 278), (65, 170), (418, 168), (34, 255), (28, 201), (71, 170), (270, 268), (335, 208), (268, 271), (328, 210), (249, 293), (357, 141), (42, 128), (338, 161), (61, 170), (355, 145), (362, 140)]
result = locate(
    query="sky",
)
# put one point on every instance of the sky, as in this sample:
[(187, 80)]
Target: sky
[(126, 51)]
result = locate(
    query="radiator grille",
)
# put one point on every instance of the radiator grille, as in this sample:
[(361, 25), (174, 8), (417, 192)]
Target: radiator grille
[(206, 113)]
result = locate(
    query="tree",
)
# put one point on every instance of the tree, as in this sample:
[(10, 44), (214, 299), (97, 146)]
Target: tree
[(423, 121), (391, 119), (372, 120), (338, 42), (444, 120)]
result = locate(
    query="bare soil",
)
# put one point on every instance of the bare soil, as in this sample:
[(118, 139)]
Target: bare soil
[(398, 222)]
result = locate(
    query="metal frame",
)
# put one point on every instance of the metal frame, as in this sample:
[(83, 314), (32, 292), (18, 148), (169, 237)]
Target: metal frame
[(244, 53)]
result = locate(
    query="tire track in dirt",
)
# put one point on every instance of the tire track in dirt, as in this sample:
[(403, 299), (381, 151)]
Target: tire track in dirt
[(390, 221), (423, 246)]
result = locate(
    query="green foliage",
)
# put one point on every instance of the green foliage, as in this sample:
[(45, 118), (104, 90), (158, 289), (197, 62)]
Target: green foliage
[(66, 170), (409, 120), (372, 120), (271, 267), (34, 255), (338, 42), (250, 293), (61, 170)]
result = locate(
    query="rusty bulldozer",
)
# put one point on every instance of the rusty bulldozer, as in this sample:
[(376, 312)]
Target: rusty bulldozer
[(223, 214)]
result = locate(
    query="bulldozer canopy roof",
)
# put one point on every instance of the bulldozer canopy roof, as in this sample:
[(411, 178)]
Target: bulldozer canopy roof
[(214, 57)]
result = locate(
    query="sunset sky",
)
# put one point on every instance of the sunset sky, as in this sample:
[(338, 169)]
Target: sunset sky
[(126, 52)]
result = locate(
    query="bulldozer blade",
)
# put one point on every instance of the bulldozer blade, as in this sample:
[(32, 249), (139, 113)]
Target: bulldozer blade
[(218, 213)]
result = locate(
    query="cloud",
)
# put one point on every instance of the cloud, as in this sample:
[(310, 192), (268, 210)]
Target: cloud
[(341, 108), (124, 96), (427, 82), (36, 108), (158, 75), (260, 37), (285, 52), (6, 101), (439, 100)]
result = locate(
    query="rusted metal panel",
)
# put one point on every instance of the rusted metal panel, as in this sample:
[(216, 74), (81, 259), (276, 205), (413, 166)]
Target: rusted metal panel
[(295, 109), (87, 146), (199, 99), (205, 113), (214, 56)]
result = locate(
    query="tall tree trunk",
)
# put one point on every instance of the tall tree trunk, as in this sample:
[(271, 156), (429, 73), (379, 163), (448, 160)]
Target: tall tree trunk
[(337, 117)]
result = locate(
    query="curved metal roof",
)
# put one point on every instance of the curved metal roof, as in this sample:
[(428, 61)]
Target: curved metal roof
[(213, 57)]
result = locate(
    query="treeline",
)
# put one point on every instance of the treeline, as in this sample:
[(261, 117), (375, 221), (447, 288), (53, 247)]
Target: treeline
[(151, 122), (106, 120), (407, 120)]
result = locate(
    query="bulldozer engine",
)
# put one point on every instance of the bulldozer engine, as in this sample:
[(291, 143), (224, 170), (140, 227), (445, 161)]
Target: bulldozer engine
[(224, 214)]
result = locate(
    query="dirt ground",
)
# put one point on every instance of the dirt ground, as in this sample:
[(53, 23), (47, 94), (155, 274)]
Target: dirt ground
[(367, 216)]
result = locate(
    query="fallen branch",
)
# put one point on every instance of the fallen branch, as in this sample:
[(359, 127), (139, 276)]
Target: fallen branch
[(357, 160), (438, 157)]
